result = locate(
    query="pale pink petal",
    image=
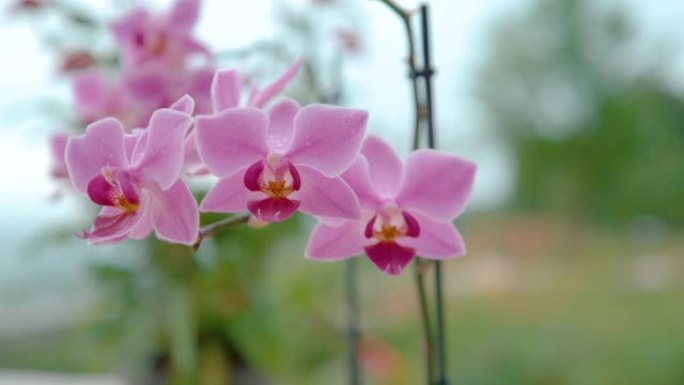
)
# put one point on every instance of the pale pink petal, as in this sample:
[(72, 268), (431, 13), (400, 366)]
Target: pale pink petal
[(232, 139), (273, 209), (101, 145), (185, 104), (229, 195), (436, 184), (90, 94), (183, 15), (390, 257), (199, 88), (386, 170), (327, 138), (281, 117), (261, 97), (358, 178), (193, 162), (332, 243), (161, 159), (111, 225), (225, 90), (436, 240), (58, 143), (326, 197), (144, 227), (131, 141), (175, 215)]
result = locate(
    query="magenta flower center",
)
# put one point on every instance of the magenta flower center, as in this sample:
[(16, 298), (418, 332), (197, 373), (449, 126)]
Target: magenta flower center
[(114, 189), (391, 225), (276, 182)]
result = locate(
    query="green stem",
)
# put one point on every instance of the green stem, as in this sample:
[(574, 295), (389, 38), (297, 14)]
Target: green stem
[(425, 320), (353, 332), (213, 228), (426, 73)]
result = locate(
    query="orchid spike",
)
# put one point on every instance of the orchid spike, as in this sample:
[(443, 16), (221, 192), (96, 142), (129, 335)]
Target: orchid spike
[(227, 86), (277, 163), (407, 210), (226, 93), (166, 39), (135, 178)]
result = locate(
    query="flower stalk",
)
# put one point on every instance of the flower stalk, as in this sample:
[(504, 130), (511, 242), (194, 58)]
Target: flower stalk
[(435, 358)]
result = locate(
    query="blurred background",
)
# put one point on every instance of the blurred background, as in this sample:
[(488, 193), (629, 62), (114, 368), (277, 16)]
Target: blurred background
[(573, 110)]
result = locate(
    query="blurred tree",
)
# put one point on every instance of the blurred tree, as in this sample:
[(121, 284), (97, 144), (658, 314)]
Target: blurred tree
[(596, 132)]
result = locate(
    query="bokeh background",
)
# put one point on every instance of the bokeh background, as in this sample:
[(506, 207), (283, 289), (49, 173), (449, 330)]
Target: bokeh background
[(573, 110)]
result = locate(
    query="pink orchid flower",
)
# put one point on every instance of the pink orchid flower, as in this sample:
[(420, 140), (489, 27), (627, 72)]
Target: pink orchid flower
[(135, 177), (165, 39), (407, 210), (277, 163), (226, 92)]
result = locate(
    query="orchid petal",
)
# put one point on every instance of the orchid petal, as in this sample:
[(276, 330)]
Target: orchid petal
[(327, 197), (183, 15), (385, 167), (390, 257), (185, 104), (111, 225), (436, 184), (229, 195), (144, 227), (436, 240), (261, 97), (232, 139), (58, 143), (101, 145), (161, 159), (358, 178), (192, 160), (273, 209), (327, 138), (333, 243), (281, 126), (225, 90), (174, 214), (89, 89)]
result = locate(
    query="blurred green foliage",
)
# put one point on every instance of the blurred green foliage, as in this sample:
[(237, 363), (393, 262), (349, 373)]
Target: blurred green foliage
[(596, 132)]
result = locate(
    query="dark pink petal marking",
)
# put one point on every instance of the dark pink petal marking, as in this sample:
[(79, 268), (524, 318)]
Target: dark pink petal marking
[(252, 176), (369, 227), (273, 209), (412, 226), (389, 256), (101, 192), (296, 179)]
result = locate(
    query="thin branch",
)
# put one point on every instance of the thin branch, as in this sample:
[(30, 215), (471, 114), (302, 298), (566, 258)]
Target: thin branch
[(405, 16), (213, 228)]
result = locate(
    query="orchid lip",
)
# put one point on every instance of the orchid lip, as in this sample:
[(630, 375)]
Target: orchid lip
[(389, 227), (109, 190), (275, 183)]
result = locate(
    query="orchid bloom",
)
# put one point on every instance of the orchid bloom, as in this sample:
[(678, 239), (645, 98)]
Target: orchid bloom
[(407, 209), (135, 178), (273, 164), (166, 39), (226, 92)]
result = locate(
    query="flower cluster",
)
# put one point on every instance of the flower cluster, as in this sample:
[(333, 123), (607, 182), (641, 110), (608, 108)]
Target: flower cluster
[(156, 54), (272, 157)]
